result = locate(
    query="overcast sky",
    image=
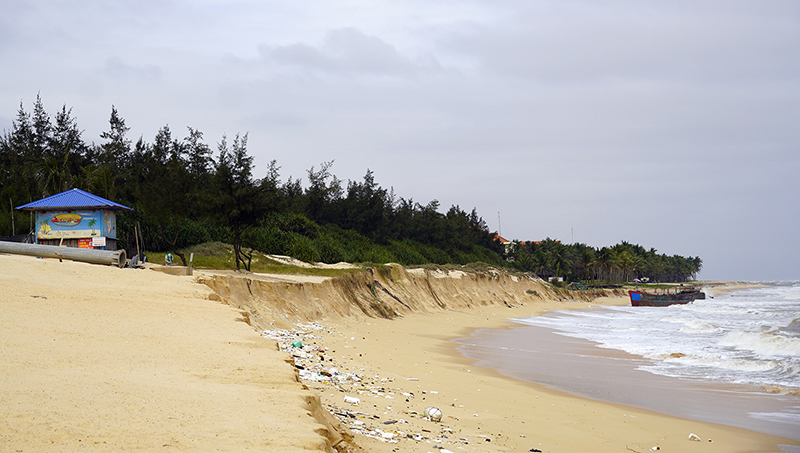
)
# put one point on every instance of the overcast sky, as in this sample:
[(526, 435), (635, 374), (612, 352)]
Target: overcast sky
[(673, 125)]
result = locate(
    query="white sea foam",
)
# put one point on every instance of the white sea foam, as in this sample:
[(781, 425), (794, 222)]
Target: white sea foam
[(781, 417), (724, 363), (747, 337), (693, 325), (763, 343)]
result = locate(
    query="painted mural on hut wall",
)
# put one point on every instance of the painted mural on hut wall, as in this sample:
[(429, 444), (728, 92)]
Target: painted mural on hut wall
[(76, 224)]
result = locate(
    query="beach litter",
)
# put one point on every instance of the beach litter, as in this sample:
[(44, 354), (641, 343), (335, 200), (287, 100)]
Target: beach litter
[(433, 414), (319, 369), (694, 437)]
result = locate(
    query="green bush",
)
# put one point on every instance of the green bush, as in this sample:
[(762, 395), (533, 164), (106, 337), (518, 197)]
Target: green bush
[(192, 232), (458, 257), (485, 255), (376, 254), (329, 249), (434, 255), (297, 236), (267, 239), (293, 223), (302, 248), (406, 253)]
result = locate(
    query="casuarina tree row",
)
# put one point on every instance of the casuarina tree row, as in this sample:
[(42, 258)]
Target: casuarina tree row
[(184, 192)]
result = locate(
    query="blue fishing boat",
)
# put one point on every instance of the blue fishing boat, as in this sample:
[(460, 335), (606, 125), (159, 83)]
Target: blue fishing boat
[(642, 299)]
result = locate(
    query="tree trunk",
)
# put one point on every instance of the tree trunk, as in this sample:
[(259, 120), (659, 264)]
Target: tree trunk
[(237, 245), (249, 257), (175, 251)]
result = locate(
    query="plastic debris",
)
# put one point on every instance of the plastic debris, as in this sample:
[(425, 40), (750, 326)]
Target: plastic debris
[(319, 368), (694, 437), (433, 413)]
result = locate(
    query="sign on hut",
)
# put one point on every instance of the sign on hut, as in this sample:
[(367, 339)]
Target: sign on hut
[(76, 219)]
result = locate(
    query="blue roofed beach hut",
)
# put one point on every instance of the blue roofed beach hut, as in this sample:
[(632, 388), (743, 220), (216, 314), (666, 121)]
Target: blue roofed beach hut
[(76, 219)]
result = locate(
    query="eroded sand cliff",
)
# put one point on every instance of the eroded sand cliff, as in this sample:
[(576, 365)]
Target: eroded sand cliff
[(385, 292)]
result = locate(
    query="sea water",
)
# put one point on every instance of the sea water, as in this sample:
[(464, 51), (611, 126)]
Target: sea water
[(733, 358)]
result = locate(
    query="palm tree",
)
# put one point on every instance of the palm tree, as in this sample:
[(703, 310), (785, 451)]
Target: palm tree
[(558, 260), (589, 261), (626, 261), (607, 262), (697, 266), (539, 262)]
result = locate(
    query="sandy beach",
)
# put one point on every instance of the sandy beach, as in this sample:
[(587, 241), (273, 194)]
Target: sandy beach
[(97, 358), (104, 359), (483, 410)]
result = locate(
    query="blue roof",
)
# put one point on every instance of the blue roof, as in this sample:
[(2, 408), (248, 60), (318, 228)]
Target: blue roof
[(73, 199)]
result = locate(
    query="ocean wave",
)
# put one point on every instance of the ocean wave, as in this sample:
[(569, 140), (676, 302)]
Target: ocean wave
[(751, 337), (763, 343), (781, 417), (718, 361), (781, 390), (793, 328), (766, 381), (716, 308), (692, 325)]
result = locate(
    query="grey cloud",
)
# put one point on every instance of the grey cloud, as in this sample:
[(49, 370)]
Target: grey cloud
[(349, 51), (115, 68), (578, 42), (559, 114)]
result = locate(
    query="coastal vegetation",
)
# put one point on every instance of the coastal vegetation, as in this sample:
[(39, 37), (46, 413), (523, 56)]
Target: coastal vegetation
[(184, 193), (623, 262), (220, 256)]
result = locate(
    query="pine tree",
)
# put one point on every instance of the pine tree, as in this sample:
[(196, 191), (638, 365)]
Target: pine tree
[(238, 194), (116, 150)]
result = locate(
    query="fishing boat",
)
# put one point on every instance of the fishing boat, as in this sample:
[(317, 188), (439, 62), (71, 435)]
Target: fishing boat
[(642, 299)]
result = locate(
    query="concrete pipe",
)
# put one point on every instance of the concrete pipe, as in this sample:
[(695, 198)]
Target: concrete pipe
[(116, 257)]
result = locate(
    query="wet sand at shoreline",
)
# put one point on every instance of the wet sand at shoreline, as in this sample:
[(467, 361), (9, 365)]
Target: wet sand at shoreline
[(539, 354)]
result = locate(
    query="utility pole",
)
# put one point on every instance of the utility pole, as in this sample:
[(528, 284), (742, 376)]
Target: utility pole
[(13, 230), (499, 226)]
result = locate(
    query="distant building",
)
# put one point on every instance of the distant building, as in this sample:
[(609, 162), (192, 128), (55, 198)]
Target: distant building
[(76, 219), (509, 245), (503, 241)]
